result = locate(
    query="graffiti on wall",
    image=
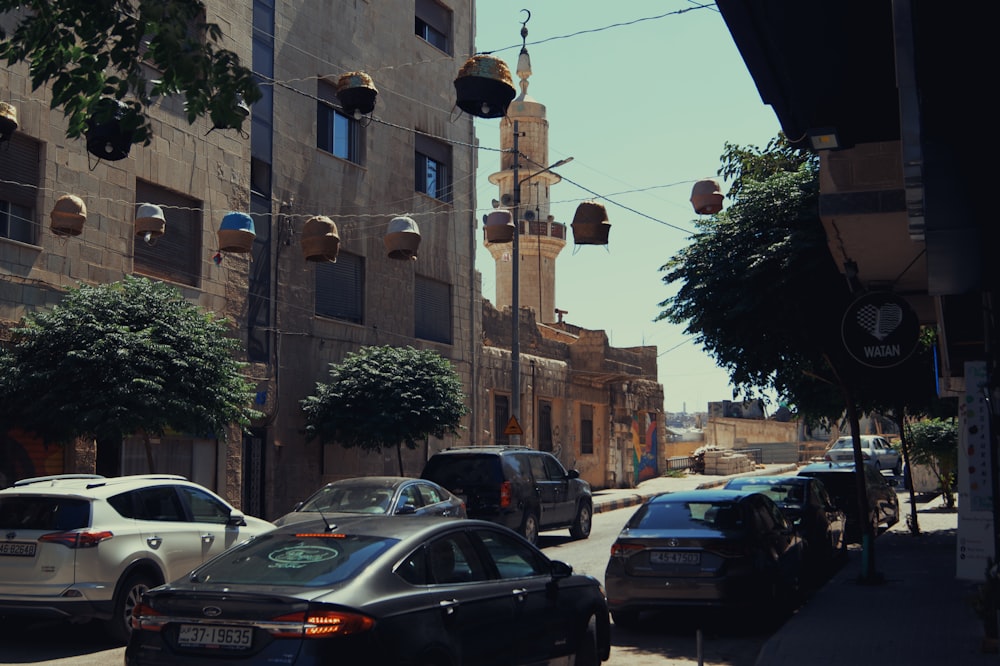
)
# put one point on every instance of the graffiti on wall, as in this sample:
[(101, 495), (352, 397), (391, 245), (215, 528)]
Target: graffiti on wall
[(23, 456), (644, 447)]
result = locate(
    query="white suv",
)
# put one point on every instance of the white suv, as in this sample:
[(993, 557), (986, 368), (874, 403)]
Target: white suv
[(81, 546)]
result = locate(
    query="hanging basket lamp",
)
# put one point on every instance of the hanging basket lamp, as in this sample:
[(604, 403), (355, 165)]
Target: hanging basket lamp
[(590, 224), (499, 226), (150, 222), (706, 196), (236, 233), (402, 239), (484, 87), (68, 215), (230, 117), (8, 121), (356, 92), (320, 240), (105, 137)]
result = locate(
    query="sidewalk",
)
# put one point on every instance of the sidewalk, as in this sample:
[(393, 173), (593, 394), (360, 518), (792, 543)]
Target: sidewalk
[(921, 613)]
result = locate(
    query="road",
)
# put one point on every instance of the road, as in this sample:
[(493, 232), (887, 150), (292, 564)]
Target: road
[(660, 640)]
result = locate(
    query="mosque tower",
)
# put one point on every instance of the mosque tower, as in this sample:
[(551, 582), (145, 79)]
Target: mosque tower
[(542, 238)]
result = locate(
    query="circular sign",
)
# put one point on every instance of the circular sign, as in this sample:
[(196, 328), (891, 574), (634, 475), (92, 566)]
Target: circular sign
[(880, 330)]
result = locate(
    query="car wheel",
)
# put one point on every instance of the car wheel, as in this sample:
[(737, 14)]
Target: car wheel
[(119, 627), (625, 619), (581, 524), (529, 528), (587, 653)]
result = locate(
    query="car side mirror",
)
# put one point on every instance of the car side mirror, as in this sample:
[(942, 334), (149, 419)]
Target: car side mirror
[(406, 509), (561, 570), (236, 518), (573, 474)]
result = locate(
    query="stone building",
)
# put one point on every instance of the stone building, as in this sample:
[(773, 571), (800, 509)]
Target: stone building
[(597, 407), (305, 155)]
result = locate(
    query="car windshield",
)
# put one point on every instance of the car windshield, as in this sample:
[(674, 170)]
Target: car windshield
[(463, 470), (668, 515), (43, 513), (296, 559), (350, 499)]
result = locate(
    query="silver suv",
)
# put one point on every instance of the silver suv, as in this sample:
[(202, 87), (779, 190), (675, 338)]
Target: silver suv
[(81, 546)]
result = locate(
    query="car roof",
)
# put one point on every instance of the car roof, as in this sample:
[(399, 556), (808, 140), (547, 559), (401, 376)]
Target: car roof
[(490, 448), (759, 480), (89, 485), (382, 525), (718, 494), (380, 481), (818, 467)]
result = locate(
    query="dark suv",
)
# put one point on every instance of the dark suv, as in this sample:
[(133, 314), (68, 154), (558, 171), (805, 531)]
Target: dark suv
[(526, 490)]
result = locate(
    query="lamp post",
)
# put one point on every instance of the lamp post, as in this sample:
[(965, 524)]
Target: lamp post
[(515, 295)]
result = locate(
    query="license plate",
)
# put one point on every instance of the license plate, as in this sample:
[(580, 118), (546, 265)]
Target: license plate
[(18, 548), (215, 636), (668, 557)]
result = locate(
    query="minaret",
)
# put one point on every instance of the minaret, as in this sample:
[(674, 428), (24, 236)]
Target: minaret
[(542, 238)]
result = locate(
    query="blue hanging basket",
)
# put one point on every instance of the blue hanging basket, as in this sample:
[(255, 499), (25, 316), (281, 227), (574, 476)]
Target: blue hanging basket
[(236, 233)]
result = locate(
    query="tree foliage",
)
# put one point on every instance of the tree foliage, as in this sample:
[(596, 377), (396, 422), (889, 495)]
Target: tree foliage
[(934, 442), (91, 49), (386, 396), (122, 358), (758, 288)]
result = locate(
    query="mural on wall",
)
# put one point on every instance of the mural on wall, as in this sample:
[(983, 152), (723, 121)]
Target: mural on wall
[(644, 447), (23, 456)]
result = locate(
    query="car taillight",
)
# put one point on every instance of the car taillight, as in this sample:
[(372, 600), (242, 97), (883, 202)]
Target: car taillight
[(144, 618), (321, 624), (77, 539), (865, 455), (505, 494), (624, 550), (827, 457)]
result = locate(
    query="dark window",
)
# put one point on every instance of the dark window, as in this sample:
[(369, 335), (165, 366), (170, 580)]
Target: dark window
[(160, 503), (586, 429), (501, 414), (19, 188), (55, 514), (336, 133), (544, 425), (432, 168), (432, 23), (512, 556), (340, 288), (176, 255), (204, 508), (432, 310)]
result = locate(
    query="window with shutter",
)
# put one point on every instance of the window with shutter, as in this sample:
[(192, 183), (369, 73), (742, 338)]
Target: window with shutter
[(19, 167), (340, 288), (176, 255), (432, 310)]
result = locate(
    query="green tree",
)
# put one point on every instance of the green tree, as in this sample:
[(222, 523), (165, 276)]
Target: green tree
[(386, 396), (90, 49), (124, 358), (934, 442)]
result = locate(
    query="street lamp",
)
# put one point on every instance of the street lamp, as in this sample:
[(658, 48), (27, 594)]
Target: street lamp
[(515, 296)]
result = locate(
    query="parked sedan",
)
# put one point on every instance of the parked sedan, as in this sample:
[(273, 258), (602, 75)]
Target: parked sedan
[(875, 449), (813, 513), (370, 590), (386, 495), (841, 482), (711, 547)]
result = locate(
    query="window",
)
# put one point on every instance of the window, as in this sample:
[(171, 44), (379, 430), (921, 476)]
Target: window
[(501, 414), (586, 428), (544, 425), (19, 188), (336, 133), (340, 288), (432, 168), (432, 23), (176, 255), (432, 310)]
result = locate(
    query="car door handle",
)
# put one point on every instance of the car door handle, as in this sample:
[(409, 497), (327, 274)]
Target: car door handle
[(449, 606), (207, 538), (154, 542), (519, 593)]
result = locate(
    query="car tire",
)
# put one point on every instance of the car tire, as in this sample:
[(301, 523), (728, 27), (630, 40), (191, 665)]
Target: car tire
[(119, 626), (580, 529), (529, 527), (626, 619), (587, 652)]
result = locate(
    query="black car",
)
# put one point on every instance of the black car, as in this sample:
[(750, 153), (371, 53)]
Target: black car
[(811, 509), (526, 490), (712, 548), (424, 591), (841, 483)]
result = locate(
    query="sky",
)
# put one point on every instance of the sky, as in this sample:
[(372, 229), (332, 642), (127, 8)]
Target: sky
[(643, 95)]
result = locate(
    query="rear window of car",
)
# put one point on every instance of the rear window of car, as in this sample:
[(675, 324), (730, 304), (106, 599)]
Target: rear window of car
[(295, 559), (463, 470), (675, 515), (55, 514)]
